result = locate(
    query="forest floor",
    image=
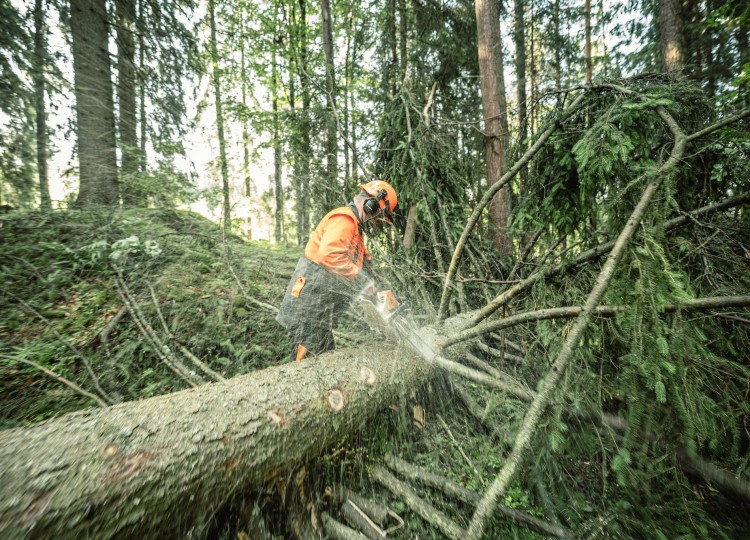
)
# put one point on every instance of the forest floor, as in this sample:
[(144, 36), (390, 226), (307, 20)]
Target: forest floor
[(110, 306)]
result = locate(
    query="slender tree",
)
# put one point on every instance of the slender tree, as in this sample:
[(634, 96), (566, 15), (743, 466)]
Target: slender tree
[(520, 41), (125, 12), (495, 117), (671, 36), (587, 30), (216, 83), (276, 135), (142, 124), (329, 191), (94, 104), (38, 70)]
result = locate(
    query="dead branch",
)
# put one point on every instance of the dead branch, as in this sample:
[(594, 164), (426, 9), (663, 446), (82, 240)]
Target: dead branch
[(525, 252), (719, 124), (458, 445), (472, 406), (490, 193), (566, 312), (361, 521), (428, 512), (452, 489), (594, 253), (60, 378), (487, 380), (201, 365), (104, 337), (162, 350), (338, 530), (79, 354), (497, 353), (376, 511)]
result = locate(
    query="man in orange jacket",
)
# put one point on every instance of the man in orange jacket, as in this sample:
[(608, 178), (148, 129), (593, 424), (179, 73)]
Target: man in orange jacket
[(335, 267)]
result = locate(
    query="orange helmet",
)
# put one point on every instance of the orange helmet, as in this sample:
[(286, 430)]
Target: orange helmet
[(382, 194)]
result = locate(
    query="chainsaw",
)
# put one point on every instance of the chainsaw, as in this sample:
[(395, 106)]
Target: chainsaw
[(384, 313)]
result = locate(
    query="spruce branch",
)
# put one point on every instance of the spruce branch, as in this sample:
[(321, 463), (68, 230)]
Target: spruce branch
[(490, 193), (549, 383), (594, 253), (568, 312)]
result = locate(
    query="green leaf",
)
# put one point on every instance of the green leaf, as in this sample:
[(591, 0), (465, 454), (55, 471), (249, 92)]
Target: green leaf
[(661, 392), (661, 343)]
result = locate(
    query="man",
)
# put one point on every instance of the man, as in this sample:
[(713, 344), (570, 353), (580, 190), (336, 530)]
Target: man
[(335, 268)]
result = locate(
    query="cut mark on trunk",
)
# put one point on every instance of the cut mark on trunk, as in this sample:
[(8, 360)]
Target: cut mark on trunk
[(230, 464), (109, 451), (37, 507), (336, 400), (368, 376), (277, 417), (131, 465)]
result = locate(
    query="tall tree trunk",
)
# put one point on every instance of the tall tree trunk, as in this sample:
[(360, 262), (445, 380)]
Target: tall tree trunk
[(95, 115), (303, 196), (353, 110), (348, 69), (245, 132), (391, 42), (403, 34), (533, 70), (707, 43), (278, 190), (161, 467), (142, 88), (329, 190), (126, 98), (557, 39), (587, 26), (671, 36), (495, 117), (216, 82), (39, 67), (520, 40)]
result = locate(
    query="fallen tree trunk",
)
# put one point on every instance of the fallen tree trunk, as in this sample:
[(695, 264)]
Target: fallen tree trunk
[(161, 467)]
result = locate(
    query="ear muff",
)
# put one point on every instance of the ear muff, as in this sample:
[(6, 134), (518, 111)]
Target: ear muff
[(372, 204)]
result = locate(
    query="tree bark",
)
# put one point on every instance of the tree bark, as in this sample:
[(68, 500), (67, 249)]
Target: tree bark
[(671, 36), (277, 187), (520, 39), (95, 115), (40, 60), (216, 83), (142, 89), (126, 89), (161, 466), (587, 51), (490, 50), (329, 190)]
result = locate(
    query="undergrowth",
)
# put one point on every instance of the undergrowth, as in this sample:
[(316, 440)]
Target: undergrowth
[(62, 306)]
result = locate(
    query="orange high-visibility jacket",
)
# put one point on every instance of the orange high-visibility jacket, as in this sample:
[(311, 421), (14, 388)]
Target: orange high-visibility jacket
[(337, 244)]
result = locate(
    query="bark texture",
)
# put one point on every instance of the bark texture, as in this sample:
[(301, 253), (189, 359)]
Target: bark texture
[(218, 99), (95, 115), (329, 190), (126, 98), (495, 116), (671, 36), (40, 57), (161, 467)]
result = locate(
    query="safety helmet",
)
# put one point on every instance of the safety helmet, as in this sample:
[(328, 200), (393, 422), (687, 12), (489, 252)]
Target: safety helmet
[(382, 194)]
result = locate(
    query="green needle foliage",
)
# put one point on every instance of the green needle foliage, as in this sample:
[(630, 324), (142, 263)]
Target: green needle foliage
[(60, 301)]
